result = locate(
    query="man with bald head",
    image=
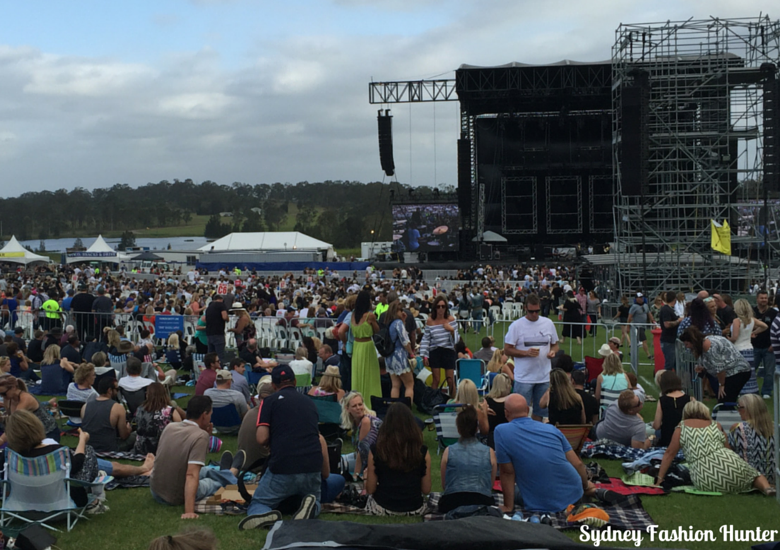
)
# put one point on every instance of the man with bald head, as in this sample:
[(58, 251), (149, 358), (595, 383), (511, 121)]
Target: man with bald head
[(539, 460)]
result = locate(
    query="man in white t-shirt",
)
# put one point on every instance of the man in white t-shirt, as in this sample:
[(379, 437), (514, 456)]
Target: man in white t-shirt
[(532, 341)]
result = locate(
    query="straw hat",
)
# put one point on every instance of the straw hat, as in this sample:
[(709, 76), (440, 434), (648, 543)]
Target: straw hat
[(332, 370), (605, 350)]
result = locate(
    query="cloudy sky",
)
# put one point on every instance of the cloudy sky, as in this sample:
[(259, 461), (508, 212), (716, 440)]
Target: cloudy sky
[(93, 93)]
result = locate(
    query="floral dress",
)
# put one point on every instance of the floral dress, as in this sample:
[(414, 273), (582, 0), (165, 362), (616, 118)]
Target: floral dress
[(150, 427), (398, 363)]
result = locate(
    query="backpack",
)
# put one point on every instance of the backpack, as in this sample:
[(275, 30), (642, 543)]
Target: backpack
[(384, 343), (426, 398)]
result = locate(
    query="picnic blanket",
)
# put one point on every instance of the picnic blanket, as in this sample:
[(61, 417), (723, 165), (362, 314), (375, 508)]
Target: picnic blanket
[(627, 514), (120, 455), (129, 482), (607, 449), (624, 487)]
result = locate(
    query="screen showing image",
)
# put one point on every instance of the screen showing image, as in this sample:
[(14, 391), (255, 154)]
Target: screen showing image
[(425, 227)]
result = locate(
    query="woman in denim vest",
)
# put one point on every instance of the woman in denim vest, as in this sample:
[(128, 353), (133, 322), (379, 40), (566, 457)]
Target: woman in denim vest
[(468, 467)]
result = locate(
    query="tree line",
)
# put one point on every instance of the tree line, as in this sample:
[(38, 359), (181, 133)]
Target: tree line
[(342, 213)]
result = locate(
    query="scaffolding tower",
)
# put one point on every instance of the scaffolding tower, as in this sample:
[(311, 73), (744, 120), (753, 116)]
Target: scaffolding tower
[(696, 90)]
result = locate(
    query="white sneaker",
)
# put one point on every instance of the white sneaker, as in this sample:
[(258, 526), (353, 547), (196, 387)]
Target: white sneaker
[(767, 396)]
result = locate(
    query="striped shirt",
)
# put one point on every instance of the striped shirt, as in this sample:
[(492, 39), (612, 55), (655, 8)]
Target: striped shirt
[(436, 336), (774, 335)]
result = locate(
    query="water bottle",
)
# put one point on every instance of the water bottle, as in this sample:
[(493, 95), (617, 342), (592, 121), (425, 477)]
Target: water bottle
[(518, 516), (534, 518)]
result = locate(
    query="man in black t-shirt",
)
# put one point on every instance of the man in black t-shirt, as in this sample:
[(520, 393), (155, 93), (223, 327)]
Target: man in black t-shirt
[(81, 307), (762, 345), (216, 317), (668, 320), (287, 422)]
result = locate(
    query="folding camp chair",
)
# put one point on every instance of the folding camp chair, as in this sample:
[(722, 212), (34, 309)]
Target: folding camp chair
[(727, 414), (133, 399), (253, 378), (575, 434), (444, 420), (198, 364), (380, 404), (471, 369), (119, 363), (303, 382), (225, 417), (72, 410), (607, 398), (329, 413), (37, 490), (594, 366)]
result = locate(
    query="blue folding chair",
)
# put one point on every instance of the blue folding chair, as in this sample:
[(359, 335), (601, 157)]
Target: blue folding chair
[(253, 378), (225, 417), (471, 369)]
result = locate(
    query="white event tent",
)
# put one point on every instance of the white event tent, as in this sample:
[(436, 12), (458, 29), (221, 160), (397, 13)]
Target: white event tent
[(281, 241), (14, 252), (99, 251)]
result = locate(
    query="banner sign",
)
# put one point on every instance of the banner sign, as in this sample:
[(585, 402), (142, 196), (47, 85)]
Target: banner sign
[(91, 254), (167, 324)]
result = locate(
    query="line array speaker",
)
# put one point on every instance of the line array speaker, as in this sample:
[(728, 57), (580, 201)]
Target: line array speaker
[(464, 177), (385, 126), (635, 144)]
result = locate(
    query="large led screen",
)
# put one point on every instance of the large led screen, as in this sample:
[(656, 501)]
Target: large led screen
[(425, 227)]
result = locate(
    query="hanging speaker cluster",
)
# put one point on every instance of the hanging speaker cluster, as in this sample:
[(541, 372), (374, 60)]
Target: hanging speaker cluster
[(771, 127), (385, 126)]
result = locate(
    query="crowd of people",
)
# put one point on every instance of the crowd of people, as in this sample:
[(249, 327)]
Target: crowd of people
[(77, 348)]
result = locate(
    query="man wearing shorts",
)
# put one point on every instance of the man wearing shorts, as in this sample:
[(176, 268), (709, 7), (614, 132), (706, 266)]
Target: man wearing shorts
[(532, 341)]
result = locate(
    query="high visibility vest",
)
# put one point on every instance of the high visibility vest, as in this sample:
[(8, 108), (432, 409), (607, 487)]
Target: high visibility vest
[(381, 308), (52, 309)]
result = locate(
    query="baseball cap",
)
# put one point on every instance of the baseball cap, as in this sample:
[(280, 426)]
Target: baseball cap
[(282, 373), (615, 340), (639, 295), (224, 375), (290, 309)]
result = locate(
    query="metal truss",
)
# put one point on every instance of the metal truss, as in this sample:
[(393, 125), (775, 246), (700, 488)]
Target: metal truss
[(705, 131), (415, 91), (513, 187), (556, 189)]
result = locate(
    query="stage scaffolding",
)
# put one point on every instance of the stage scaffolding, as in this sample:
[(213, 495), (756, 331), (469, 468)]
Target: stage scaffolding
[(702, 118)]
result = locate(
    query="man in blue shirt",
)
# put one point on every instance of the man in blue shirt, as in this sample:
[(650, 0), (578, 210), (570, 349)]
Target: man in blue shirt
[(67, 300), (540, 460)]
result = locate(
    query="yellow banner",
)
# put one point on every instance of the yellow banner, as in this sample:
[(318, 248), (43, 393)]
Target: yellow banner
[(11, 254), (721, 237)]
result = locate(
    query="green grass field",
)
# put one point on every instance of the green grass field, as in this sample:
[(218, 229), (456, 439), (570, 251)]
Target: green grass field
[(135, 518)]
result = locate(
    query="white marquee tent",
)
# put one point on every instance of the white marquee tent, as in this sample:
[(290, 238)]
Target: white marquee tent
[(99, 251), (281, 241), (14, 252)]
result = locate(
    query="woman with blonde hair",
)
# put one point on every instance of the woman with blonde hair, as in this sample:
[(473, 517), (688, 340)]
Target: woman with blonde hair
[(743, 328), (499, 391), (113, 342), (613, 377), (152, 416), (467, 394), (500, 363), (753, 439), (712, 464), (562, 401), (364, 425), (330, 385), (81, 389), (5, 365), (56, 372)]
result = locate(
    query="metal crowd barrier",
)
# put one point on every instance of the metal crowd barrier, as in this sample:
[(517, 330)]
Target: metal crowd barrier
[(685, 366)]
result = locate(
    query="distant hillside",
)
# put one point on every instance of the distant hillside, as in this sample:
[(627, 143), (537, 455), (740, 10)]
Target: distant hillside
[(340, 212)]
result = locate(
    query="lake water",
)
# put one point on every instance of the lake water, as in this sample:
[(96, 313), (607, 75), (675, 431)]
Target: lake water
[(177, 243)]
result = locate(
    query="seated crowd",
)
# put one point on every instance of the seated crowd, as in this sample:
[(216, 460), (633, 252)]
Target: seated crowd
[(514, 433)]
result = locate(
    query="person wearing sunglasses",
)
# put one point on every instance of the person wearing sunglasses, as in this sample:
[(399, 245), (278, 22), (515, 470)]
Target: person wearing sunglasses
[(532, 340), (437, 347)]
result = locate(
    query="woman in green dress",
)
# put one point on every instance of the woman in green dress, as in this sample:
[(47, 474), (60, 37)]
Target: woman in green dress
[(365, 363), (713, 465)]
